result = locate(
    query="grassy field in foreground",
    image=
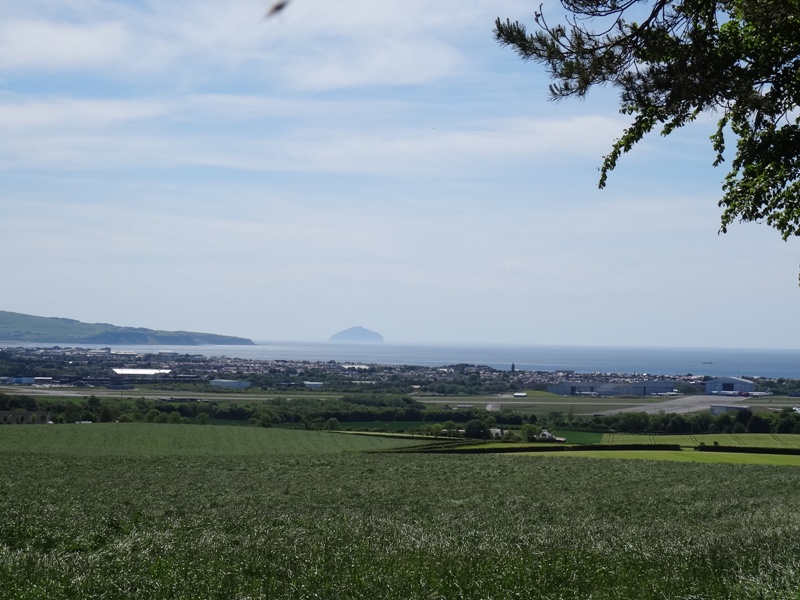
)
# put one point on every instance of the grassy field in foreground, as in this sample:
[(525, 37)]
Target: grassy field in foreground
[(344, 526), (146, 439), (760, 440)]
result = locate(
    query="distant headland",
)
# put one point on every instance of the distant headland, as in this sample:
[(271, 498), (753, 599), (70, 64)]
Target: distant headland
[(357, 335), (17, 327)]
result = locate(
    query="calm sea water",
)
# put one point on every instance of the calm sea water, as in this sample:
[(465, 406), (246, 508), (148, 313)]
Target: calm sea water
[(582, 359)]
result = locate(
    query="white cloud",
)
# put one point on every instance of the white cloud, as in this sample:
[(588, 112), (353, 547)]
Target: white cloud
[(49, 46), (74, 113), (366, 157), (392, 62), (312, 44), (281, 134)]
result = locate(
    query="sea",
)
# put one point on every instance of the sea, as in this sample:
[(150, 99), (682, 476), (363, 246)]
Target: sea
[(714, 362)]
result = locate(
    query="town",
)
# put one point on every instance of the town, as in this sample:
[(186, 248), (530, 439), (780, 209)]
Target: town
[(83, 367)]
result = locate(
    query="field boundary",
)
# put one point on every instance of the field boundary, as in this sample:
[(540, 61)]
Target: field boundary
[(749, 450), (528, 448)]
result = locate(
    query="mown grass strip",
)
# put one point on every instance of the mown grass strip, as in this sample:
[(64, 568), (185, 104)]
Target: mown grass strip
[(762, 440), (510, 448), (729, 458)]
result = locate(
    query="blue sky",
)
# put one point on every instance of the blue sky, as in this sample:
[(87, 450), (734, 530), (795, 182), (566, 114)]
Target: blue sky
[(192, 165)]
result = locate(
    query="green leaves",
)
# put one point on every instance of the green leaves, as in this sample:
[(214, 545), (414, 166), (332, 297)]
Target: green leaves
[(738, 58)]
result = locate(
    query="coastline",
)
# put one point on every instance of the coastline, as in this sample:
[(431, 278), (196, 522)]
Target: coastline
[(712, 362)]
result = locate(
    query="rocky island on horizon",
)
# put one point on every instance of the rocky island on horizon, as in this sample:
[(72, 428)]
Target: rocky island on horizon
[(18, 327), (357, 335)]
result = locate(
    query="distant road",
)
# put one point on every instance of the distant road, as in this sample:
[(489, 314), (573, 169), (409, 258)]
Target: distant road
[(684, 404), (151, 394), (679, 405)]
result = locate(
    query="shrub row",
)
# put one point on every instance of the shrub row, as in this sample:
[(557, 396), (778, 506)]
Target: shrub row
[(749, 450), (461, 449)]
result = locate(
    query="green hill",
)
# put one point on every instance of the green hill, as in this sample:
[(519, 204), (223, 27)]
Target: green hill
[(17, 327)]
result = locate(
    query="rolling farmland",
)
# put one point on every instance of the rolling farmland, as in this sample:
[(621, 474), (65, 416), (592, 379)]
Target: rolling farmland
[(289, 517), (143, 439), (761, 440)]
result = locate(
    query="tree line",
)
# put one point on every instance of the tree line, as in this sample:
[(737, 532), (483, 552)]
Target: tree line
[(741, 421), (317, 413), (306, 412)]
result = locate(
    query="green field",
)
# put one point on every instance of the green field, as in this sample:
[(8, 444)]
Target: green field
[(388, 426), (579, 437), (728, 458), (144, 439), (289, 514), (760, 440)]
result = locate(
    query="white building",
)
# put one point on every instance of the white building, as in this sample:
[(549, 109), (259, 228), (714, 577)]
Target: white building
[(142, 372)]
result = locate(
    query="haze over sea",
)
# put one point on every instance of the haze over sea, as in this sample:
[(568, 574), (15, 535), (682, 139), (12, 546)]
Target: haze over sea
[(582, 359)]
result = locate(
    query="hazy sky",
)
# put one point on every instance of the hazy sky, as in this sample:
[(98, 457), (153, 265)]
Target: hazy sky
[(383, 163)]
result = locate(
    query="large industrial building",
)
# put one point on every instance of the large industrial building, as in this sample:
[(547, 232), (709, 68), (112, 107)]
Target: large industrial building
[(594, 388), (730, 385), (233, 384)]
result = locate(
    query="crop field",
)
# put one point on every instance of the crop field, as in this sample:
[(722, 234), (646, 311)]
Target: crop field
[(753, 440), (144, 439), (388, 426), (279, 524)]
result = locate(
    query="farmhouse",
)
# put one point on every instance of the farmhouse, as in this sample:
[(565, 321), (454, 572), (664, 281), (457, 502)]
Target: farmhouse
[(730, 386), (546, 436)]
